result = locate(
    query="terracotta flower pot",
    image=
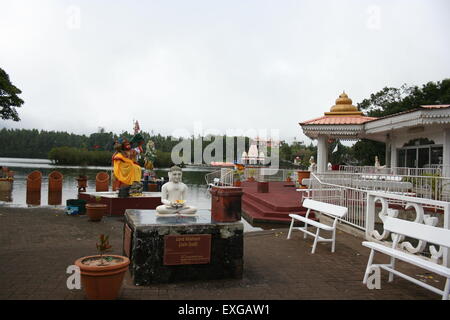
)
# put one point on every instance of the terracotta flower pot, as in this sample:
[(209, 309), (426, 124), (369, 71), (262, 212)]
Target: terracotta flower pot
[(34, 181), (55, 180), (102, 282), (102, 182), (237, 183), (96, 211)]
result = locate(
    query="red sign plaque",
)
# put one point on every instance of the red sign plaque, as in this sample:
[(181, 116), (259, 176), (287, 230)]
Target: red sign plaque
[(187, 249)]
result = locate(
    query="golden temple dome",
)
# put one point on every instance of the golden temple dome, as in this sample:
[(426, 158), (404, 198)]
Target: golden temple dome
[(343, 107)]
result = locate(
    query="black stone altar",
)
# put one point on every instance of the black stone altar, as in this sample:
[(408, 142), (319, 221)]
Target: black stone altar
[(146, 243)]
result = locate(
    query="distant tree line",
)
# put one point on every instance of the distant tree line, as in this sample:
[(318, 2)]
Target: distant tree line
[(97, 148)]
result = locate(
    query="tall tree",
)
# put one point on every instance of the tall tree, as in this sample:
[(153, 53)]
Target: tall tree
[(9, 100), (393, 100)]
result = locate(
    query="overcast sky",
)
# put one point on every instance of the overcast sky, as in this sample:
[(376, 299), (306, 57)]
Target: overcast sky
[(229, 64)]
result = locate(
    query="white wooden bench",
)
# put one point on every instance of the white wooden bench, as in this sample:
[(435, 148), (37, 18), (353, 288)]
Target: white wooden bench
[(332, 210), (418, 231)]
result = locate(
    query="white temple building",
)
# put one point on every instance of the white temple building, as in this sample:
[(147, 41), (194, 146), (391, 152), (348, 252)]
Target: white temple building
[(417, 138)]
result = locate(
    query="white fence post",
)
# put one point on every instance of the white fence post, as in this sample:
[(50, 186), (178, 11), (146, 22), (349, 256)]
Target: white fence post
[(446, 256), (370, 215)]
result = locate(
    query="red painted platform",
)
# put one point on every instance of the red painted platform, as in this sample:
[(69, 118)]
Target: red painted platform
[(117, 206), (274, 206)]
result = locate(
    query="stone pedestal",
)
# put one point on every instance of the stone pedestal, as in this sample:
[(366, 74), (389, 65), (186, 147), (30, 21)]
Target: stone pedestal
[(165, 249)]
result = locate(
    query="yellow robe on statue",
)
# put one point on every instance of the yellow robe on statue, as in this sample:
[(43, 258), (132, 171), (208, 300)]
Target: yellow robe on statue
[(125, 170)]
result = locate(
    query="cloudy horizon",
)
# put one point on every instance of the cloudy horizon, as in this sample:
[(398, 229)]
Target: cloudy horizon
[(82, 65)]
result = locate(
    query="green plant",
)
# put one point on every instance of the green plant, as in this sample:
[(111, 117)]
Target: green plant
[(237, 174), (103, 247), (251, 172), (427, 179)]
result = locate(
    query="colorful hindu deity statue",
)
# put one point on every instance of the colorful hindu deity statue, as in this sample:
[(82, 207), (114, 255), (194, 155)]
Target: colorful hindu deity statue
[(126, 169)]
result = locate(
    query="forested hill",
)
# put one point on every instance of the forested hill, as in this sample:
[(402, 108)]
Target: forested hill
[(23, 143)]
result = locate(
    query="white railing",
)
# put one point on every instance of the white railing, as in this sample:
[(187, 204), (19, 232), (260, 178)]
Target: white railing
[(269, 174), (395, 205), (223, 177), (340, 189), (432, 170), (227, 176), (429, 187), (352, 198)]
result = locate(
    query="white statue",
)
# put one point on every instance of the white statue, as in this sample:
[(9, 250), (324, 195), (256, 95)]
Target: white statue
[(173, 194), (312, 164), (377, 164)]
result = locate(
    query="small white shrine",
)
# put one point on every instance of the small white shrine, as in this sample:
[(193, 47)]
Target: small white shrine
[(253, 156)]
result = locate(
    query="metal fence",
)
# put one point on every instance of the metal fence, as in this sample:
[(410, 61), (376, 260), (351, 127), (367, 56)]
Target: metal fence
[(269, 174), (352, 198), (421, 186), (432, 170), (223, 177), (350, 190)]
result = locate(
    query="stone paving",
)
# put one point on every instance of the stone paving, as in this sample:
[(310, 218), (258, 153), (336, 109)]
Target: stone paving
[(38, 244)]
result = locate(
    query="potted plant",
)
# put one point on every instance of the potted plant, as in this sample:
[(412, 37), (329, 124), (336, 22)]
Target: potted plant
[(97, 210), (251, 174), (237, 176), (102, 275), (288, 176)]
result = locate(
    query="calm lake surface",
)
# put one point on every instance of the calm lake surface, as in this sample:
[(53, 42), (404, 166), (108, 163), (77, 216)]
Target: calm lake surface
[(193, 177)]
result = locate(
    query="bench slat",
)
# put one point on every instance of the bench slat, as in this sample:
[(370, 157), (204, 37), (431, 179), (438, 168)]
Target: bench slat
[(407, 257), (311, 222), (327, 208), (419, 231)]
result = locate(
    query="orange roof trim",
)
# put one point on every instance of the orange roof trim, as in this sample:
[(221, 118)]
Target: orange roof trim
[(436, 106), (325, 120)]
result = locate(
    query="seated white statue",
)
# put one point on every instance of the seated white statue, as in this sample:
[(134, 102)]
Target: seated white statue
[(377, 164), (312, 164), (173, 194)]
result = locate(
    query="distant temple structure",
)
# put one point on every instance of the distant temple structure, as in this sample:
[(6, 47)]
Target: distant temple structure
[(254, 155)]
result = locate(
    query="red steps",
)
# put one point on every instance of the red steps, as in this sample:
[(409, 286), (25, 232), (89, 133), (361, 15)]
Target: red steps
[(272, 207)]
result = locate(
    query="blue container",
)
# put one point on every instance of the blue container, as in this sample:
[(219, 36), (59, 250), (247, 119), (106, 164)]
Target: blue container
[(80, 204), (72, 210)]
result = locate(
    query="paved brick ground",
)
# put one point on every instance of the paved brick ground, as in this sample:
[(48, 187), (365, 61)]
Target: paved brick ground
[(37, 245)]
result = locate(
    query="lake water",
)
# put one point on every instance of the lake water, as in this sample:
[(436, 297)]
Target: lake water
[(193, 177)]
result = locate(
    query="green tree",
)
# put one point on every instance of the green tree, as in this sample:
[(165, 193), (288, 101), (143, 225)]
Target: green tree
[(394, 100), (364, 151), (9, 100)]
